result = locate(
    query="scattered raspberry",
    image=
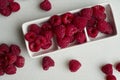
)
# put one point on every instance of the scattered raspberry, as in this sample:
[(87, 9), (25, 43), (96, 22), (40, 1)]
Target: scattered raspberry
[(107, 69), (80, 22), (118, 67), (45, 5), (20, 62), (11, 58), (34, 28), (74, 65), (6, 11), (14, 6), (11, 69), (30, 36), (70, 30), (67, 18), (55, 20), (3, 4), (4, 48), (15, 49), (110, 77), (87, 13), (47, 62), (92, 32), (80, 37)]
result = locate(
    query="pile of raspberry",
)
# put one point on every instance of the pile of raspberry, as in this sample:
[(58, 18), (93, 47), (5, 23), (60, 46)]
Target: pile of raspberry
[(8, 6), (10, 58), (69, 28)]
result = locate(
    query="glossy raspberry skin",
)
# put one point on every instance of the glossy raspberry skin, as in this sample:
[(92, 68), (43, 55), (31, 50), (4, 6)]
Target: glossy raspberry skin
[(92, 32), (74, 65), (11, 69), (117, 67), (110, 77), (30, 36), (55, 20), (45, 5), (67, 18), (47, 62), (107, 69), (20, 62), (34, 28), (14, 6)]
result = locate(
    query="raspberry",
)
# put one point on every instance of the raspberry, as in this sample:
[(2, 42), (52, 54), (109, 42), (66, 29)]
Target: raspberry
[(47, 62), (30, 36), (45, 5), (67, 18), (34, 47), (15, 49), (48, 35), (74, 65), (41, 41), (1, 71), (70, 30), (3, 4), (118, 67), (64, 42), (72, 38), (60, 31), (80, 22), (86, 12), (47, 44), (80, 37), (98, 8), (4, 48), (55, 20), (34, 28), (14, 6), (107, 69), (6, 11), (11, 58), (11, 69), (110, 77), (46, 26), (91, 22), (92, 32), (20, 61), (10, 1)]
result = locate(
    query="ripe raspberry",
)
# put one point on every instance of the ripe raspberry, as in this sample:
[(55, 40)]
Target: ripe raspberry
[(118, 67), (99, 15), (86, 12), (14, 6), (107, 69), (74, 65), (48, 34), (70, 30), (47, 62), (67, 18), (72, 39), (60, 31), (64, 42), (41, 40), (46, 26), (91, 22), (15, 49), (10, 1), (34, 28), (80, 22), (47, 44), (45, 5), (11, 69), (92, 32), (20, 61), (11, 58), (30, 36), (3, 4), (110, 77), (34, 47), (98, 8), (6, 11), (4, 48), (55, 20), (80, 37), (1, 71)]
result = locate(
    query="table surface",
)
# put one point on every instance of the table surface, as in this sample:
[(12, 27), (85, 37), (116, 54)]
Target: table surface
[(91, 55)]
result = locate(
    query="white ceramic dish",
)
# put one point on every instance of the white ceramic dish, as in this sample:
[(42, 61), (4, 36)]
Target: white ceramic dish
[(54, 47)]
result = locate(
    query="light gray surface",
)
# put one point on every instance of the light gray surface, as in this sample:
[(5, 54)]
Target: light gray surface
[(91, 55)]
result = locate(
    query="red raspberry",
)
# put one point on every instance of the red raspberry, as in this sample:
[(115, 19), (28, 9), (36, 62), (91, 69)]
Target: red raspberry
[(70, 30), (15, 49), (46, 26), (14, 6), (10, 1), (47, 45), (110, 77), (104, 27), (20, 61), (67, 18), (74, 65), (41, 41), (48, 35), (107, 69), (4, 48), (72, 39), (92, 32), (11, 58), (11, 69), (1, 71), (86, 12), (80, 37), (45, 5), (47, 62), (91, 22), (34, 47), (3, 4), (60, 31), (80, 22), (30, 36), (98, 8), (118, 67), (55, 20), (34, 28), (6, 11), (64, 42)]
